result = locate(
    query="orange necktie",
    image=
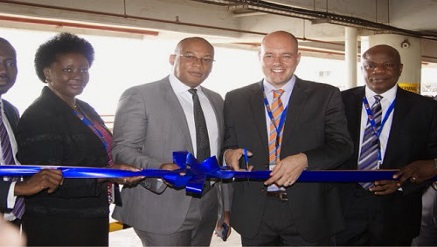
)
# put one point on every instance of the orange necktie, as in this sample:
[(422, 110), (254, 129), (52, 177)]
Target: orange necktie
[(276, 108)]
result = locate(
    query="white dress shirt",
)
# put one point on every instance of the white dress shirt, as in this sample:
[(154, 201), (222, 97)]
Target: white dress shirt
[(285, 98), (388, 97), (11, 197), (186, 101)]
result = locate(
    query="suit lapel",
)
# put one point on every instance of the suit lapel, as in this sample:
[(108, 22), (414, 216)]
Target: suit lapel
[(176, 113), (11, 115), (296, 102), (399, 117), (354, 112), (257, 112), (218, 111)]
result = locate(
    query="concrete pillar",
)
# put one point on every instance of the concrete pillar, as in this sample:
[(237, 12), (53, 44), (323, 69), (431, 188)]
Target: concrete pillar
[(350, 54), (411, 56)]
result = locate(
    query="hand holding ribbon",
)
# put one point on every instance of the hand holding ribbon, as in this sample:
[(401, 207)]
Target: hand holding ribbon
[(287, 171), (232, 157), (126, 180)]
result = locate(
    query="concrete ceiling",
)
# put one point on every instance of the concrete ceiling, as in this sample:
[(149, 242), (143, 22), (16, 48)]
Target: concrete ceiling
[(319, 24), (417, 15)]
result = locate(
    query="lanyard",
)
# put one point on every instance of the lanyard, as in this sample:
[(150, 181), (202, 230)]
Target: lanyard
[(377, 131), (90, 125), (279, 127)]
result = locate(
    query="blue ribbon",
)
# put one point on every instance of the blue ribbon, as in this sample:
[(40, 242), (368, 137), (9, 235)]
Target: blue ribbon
[(192, 175)]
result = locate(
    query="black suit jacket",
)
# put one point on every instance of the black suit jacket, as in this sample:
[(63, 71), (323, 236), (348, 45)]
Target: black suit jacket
[(315, 125), (12, 114), (49, 133), (413, 136)]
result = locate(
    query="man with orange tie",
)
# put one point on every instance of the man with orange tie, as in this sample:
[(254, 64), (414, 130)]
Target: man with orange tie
[(288, 125), (11, 191)]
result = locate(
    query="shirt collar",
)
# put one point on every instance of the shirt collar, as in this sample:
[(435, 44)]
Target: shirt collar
[(389, 95), (178, 86), (287, 86)]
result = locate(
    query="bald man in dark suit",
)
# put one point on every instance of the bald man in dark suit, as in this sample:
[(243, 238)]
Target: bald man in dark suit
[(314, 137)]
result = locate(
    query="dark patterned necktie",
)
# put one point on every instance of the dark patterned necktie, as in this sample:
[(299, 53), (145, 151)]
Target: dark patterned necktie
[(370, 148), (8, 159), (202, 139)]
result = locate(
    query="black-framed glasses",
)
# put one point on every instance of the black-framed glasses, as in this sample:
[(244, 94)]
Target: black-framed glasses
[(193, 59)]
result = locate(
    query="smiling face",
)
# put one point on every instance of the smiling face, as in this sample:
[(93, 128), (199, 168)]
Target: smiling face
[(192, 61), (381, 68), (8, 67), (68, 76), (279, 57)]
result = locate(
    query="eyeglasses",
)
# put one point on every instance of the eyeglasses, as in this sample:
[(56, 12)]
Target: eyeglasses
[(385, 66), (193, 59)]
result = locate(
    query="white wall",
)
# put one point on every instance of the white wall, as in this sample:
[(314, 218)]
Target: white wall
[(121, 63)]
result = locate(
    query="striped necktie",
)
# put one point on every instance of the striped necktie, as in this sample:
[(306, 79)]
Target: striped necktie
[(8, 159), (370, 148), (276, 108)]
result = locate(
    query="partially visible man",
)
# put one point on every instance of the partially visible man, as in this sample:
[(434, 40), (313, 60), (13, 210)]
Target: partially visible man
[(288, 125), (45, 179), (390, 128), (417, 171), (10, 235), (428, 228), (154, 120)]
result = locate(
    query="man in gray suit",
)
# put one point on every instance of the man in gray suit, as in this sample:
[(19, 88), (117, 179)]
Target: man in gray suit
[(154, 120)]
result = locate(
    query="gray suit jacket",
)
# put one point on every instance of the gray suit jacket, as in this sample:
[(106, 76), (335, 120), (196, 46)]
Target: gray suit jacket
[(149, 126)]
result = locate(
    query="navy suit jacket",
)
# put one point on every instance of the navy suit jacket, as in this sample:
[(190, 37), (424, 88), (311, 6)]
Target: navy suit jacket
[(315, 125), (413, 136), (12, 114)]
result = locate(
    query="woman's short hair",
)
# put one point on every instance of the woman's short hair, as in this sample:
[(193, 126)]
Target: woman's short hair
[(62, 43)]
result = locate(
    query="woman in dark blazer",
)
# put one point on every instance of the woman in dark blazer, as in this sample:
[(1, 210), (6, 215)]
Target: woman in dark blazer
[(58, 129)]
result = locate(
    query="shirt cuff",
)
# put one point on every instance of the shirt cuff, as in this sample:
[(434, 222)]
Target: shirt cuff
[(11, 196)]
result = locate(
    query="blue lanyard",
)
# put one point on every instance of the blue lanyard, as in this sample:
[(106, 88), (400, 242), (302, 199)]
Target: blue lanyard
[(90, 125), (278, 128), (377, 131)]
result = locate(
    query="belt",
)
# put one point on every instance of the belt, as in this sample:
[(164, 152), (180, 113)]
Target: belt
[(281, 195)]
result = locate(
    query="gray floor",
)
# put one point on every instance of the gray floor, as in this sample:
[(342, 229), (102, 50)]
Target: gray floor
[(128, 238)]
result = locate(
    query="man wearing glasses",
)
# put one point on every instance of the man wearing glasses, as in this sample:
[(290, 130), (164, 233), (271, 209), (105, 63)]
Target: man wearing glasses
[(154, 120), (391, 129)]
